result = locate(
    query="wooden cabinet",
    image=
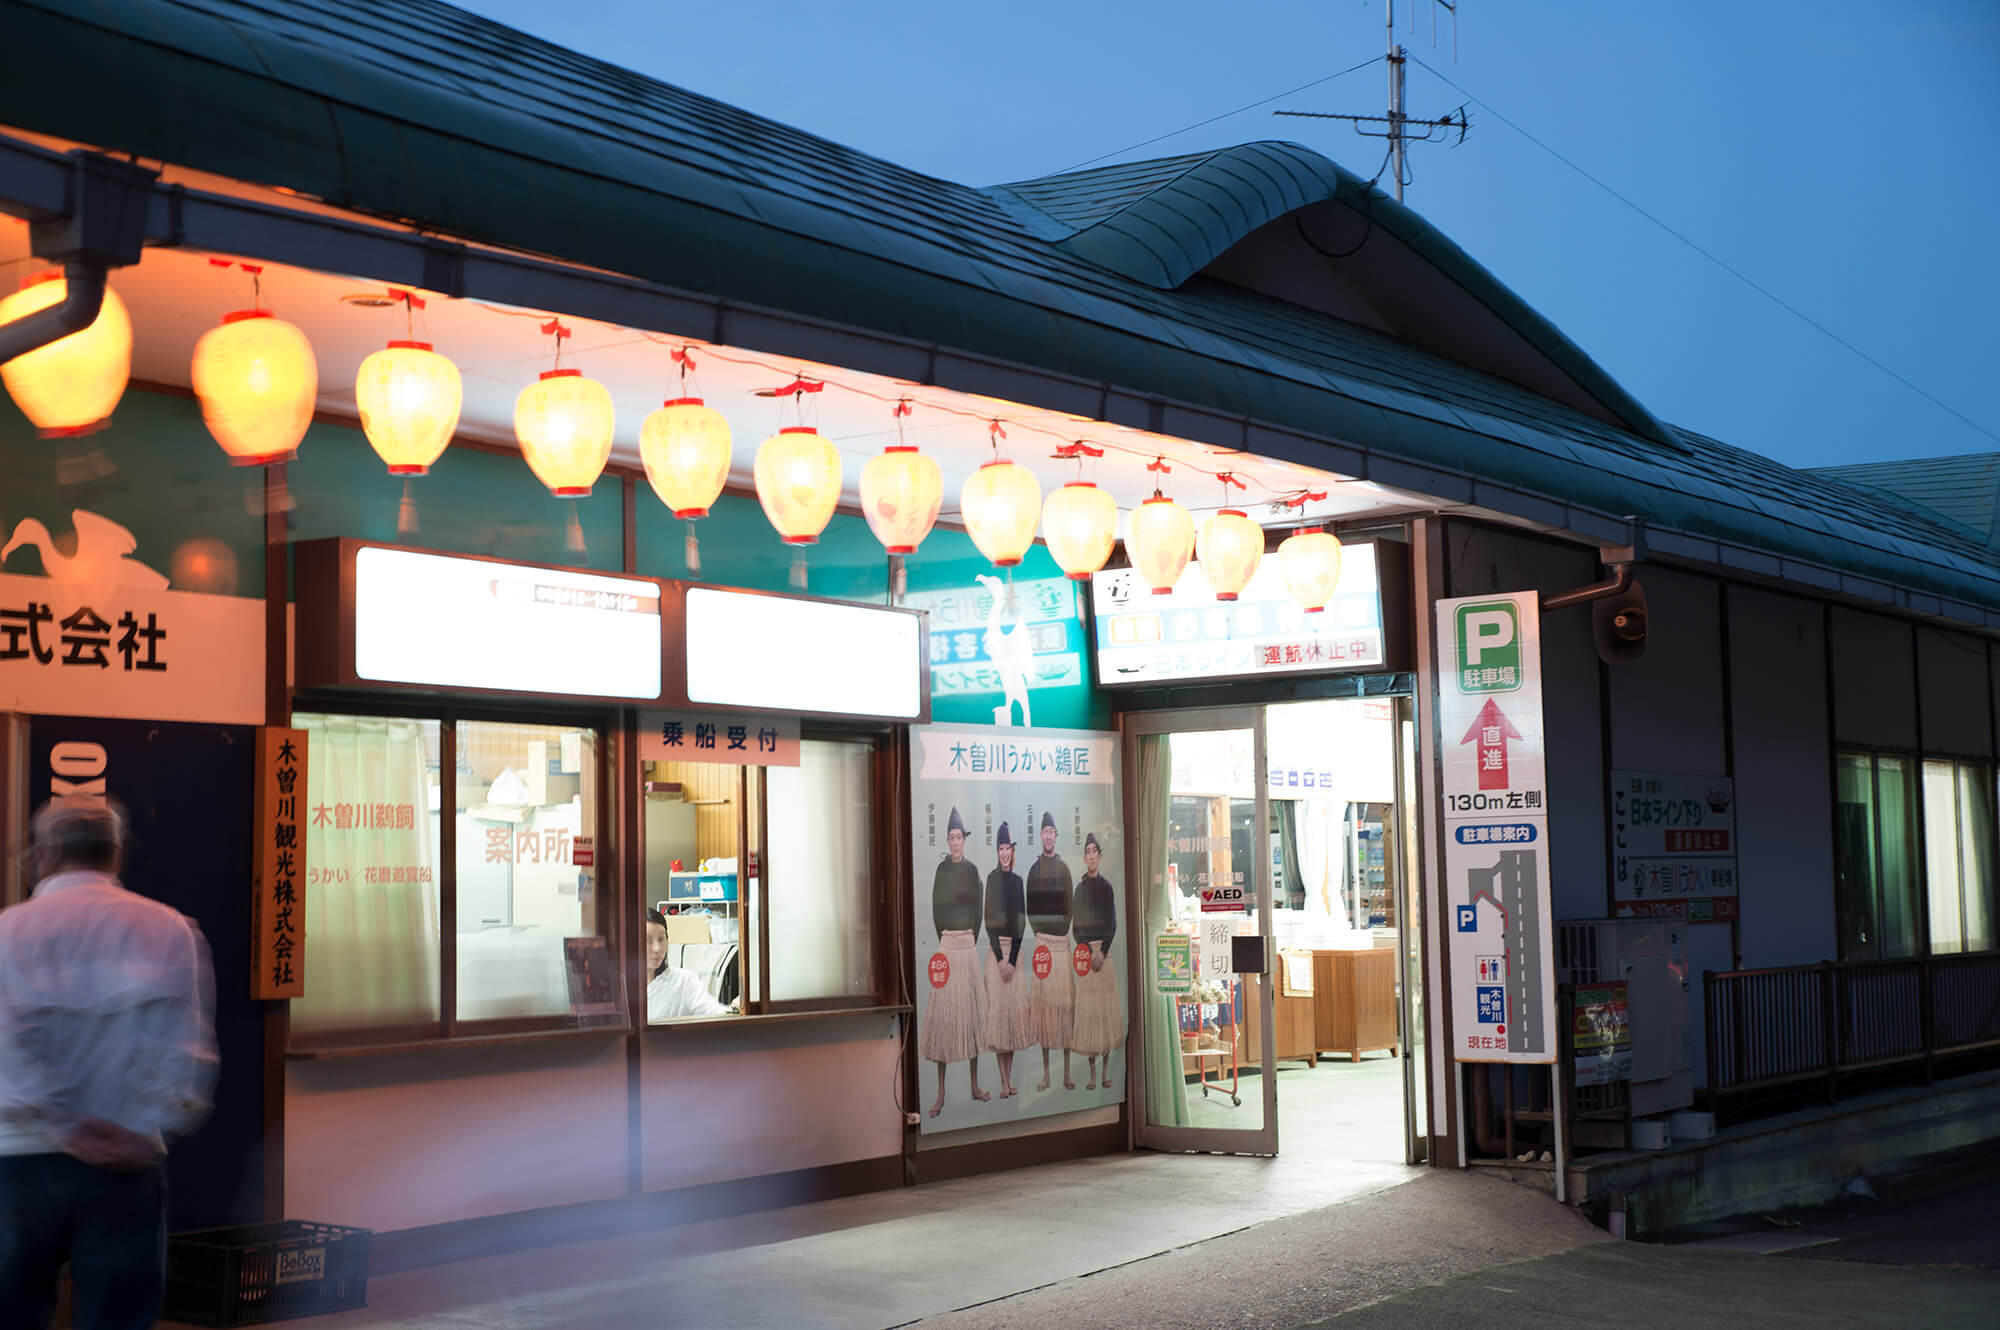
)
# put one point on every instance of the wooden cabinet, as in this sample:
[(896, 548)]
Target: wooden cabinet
[(1354, 1002), (1292, 1026)]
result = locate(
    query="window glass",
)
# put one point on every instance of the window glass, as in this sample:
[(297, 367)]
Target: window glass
[(694, 889), (371, 888), (1975, 822), (1855, 848), (1895, 786), (822, 873), (1941, 855), (524, 795)]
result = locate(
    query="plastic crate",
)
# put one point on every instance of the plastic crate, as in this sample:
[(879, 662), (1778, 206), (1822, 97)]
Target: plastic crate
[(254, 1273)]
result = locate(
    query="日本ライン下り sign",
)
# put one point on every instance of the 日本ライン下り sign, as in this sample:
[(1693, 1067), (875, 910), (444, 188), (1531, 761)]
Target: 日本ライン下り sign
[(1673, 845), (720, 737), (1496, 857)]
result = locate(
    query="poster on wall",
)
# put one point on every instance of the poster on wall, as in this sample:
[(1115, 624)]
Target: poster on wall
[(1496, 829), (1020, 879), (1673, 846)]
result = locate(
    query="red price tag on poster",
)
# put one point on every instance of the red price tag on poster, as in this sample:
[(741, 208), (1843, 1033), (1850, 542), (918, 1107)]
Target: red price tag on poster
[(1045, 964), (1081, 959), (940, 970)]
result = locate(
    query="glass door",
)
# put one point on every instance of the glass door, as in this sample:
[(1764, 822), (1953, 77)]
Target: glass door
[(1410, 915), (1201, 872)]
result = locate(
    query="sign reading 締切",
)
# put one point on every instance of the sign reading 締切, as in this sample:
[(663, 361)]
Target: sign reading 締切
[(1496, 858), (721, 737), (1673, 845), (277, 900)]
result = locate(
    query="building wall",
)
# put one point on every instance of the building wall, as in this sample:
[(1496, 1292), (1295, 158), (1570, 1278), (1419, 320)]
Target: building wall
[(1955, 694), (1874, 680)]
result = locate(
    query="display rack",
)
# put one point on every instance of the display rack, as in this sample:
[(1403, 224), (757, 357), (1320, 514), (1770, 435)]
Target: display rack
[(1199, 1057)]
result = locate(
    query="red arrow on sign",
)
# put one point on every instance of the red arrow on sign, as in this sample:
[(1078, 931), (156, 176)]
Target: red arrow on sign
[(1491, 731)]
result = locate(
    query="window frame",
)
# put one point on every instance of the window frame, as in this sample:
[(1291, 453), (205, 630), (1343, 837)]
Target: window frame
[(1982, 770), (888, 758), (448, 715)]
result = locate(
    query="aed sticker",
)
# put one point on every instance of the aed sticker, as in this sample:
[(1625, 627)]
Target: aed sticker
[(1081, 959), (1045, 963), (1224, 900), (296, 1267), (939, 970)]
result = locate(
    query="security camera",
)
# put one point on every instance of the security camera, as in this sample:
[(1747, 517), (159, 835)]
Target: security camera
[(1618, 624)]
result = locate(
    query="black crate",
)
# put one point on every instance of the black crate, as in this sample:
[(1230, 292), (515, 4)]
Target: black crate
[(265, 1272)]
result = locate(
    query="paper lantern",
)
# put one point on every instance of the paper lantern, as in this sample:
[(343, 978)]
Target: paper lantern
[(71, 385), (409, 397), (1000, 502), (1310, 559), (1159, 542), (1080, 524), (798, 482), (1229, 547), (564, 424), (257, 380), (901, 492), (686, 448)]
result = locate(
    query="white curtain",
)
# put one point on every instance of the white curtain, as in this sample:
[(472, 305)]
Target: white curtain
[(822, 873), (371, 947)]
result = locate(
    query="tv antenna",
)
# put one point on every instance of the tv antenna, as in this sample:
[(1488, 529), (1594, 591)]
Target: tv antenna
[(1401, 130)]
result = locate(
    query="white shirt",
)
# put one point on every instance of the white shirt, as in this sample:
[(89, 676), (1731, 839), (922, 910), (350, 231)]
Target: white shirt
[(107, 1003), (674, 993)]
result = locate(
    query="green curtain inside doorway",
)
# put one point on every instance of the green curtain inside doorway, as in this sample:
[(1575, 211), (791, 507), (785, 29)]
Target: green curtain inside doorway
[(1166, 1084)]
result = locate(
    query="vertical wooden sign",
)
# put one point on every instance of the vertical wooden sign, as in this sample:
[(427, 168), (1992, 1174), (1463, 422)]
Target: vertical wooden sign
[(278, 906)]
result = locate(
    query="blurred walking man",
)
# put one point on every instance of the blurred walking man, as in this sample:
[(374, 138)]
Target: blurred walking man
[(107, 1050)]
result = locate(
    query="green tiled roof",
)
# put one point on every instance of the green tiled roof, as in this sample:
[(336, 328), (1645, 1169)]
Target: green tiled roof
[(1963, 489), (412, 110)]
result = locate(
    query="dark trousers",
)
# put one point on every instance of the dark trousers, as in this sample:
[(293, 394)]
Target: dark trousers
[(111, 1227)]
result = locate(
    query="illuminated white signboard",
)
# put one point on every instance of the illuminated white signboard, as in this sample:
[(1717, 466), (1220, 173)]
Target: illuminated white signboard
[(1189, 634), (776, 653), (470, 623)]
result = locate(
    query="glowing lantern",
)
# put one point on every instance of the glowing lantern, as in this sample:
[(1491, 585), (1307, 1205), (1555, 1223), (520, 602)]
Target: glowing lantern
[(1229, 547), (1310, 558), (798, 482), (409, 397), (564, 424), (901, 492), (71, 385), (1000, 502), (1080, 524), (257, 379), (1160, 542), (686, 448)]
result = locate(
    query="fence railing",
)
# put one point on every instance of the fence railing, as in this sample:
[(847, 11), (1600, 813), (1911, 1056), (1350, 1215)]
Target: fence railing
[(1786, 1027)]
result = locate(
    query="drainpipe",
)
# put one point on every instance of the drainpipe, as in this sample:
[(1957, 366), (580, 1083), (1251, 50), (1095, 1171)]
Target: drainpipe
[(102, 226), (83, 281), (1619, 559)]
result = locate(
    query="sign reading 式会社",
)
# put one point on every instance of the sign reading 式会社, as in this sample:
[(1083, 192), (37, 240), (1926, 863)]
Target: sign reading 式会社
[(1496, 860), (278, 894), (1673, 845), (722, 737)]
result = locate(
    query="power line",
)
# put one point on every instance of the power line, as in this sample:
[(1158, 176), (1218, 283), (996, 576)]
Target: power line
[(1738, 274), (1200, 124)]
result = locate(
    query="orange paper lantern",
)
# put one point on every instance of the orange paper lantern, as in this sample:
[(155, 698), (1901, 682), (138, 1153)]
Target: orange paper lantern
[(1080, 524), (1229, 547), (798, 482), (409, 398), (257, 380), (1159, 542), (70, 385), (686, 448), (1000, 502), (1310, 558), (901, 492), (564, 423)]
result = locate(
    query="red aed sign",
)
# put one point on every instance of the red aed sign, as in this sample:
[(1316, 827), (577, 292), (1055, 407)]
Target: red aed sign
[(583, 851), (1045, 964), (940, 970), (1082, 959), (1224, 900)]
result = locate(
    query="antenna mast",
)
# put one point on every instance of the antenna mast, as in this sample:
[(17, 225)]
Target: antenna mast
[(1399, 124)]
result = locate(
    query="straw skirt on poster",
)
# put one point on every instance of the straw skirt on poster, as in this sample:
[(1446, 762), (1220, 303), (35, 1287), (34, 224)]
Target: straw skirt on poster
[(1010, 1004), (1099, 1025), (1055, 996), (954, 1024)]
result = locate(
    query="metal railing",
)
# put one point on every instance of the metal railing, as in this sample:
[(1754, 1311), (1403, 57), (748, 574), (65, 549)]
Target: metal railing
[(1770, 1029)]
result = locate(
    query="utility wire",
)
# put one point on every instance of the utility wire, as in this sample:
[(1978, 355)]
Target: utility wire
[(1199, 124), (1737, 273)]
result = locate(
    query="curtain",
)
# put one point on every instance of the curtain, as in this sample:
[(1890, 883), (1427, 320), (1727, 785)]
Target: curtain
[(1166, 1083), (371, 949), (1291, 885)]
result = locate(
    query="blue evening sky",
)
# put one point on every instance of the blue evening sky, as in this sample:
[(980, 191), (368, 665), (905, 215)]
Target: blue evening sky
[(1844, 155)]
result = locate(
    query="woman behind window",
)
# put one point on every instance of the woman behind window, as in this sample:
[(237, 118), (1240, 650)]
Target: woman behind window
[(672, 993)]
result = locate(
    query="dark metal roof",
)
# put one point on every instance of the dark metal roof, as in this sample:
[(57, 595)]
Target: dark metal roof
[(414, 110), (1964, 490)]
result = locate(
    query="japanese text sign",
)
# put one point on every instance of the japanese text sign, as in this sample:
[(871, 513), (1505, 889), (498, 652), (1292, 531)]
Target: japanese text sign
[(1173, 964), (1496, 858), (1673, 845), (278, 906), (720, 737)]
